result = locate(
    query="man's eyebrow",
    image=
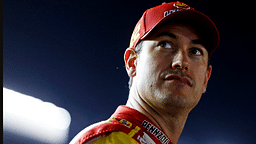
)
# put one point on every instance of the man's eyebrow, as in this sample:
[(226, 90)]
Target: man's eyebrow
[(199, 42), (171, 35)]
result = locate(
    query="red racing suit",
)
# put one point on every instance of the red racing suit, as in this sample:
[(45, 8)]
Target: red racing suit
[(125, 126)]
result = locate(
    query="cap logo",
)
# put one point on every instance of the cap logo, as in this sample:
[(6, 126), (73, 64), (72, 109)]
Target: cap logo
[(166, 13), (135, 35), (181, 5)]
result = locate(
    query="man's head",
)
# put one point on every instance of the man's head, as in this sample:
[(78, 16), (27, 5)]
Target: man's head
[(170, 60)]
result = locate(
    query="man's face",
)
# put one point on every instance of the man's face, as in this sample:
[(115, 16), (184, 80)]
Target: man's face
[(172, 67)]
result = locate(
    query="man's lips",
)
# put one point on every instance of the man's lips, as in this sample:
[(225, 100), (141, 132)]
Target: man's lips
[(184, 80)]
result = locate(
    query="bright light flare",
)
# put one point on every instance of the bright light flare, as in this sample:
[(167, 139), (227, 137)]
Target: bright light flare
[(33, 118)]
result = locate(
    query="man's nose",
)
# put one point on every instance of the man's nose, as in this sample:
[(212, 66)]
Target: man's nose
[(180, 61)]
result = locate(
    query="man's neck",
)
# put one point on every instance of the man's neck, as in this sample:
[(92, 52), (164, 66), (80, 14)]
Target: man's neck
[(171, 123)]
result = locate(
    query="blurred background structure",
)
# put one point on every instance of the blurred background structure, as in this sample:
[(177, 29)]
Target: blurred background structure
[(32, 118), (68, 55)]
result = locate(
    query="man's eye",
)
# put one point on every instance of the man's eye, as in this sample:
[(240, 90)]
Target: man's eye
[(165, 44), (196, 51)]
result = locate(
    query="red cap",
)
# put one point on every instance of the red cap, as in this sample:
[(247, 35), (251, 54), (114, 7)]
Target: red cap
[(176, 11)]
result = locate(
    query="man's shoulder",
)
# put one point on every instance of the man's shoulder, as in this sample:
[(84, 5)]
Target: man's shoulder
[(82, 135), (125, 126), (104, 130)]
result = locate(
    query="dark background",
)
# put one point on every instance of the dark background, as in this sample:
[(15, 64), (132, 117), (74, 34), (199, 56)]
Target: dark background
[(70, 53)]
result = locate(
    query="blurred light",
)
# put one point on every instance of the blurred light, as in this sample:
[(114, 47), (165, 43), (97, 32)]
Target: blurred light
[(33, 118)]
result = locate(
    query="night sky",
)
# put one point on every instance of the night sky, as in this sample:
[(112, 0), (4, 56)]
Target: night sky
[(70, 53)]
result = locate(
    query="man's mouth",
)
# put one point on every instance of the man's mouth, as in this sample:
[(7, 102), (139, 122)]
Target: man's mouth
[(183, 80)]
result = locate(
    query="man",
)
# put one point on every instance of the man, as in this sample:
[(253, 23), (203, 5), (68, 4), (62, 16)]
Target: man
[(168, 65)]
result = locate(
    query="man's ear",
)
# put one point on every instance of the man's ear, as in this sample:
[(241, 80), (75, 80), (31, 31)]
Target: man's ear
[(130, 59), (207, 77)]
